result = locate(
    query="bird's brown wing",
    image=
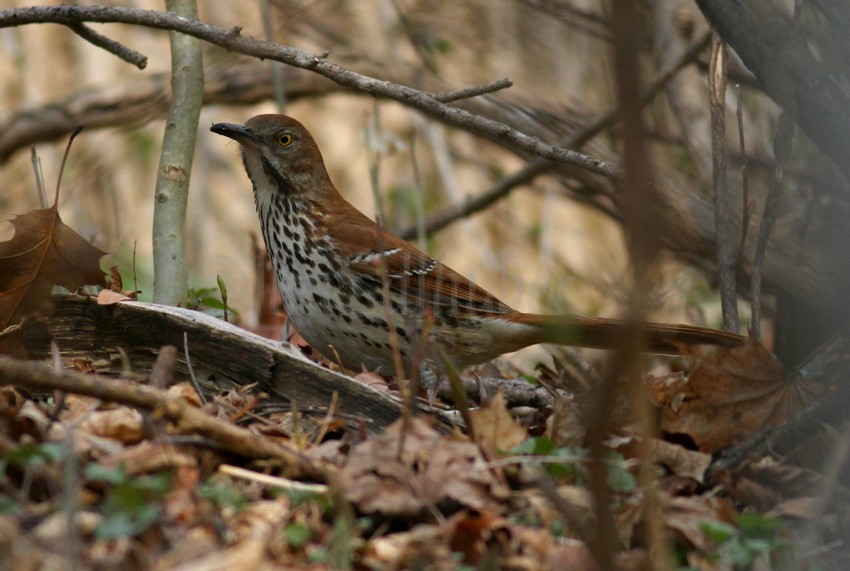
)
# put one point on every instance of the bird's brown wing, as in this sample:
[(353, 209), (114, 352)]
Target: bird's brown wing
[(377, 255)]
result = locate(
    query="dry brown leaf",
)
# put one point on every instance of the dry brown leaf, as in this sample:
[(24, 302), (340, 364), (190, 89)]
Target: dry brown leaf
[(148, 456), (122, 424), (686, 516), (256, 527), (184, 391), (373, 380), (801, 508), (564, 426), (765, 482), (495, 427), (403, 472), (680, 460), (83, 366), (730, 394), (114, 282), (572, 554), (109, 297), (43, 252), (579, 503), (471, 533), (422, 547)]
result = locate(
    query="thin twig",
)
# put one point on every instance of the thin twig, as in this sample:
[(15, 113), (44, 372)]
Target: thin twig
[(70, 498), (39, 178), (162, 372), (110, 45), (475, 91), (418, 197), (71, 138), (135, 281), (272, 481), (722, 209), (222, 290), (274, 67), (374, 146), (191, 369), (329, 415), (643, 246), (781, 150), (747, 212)]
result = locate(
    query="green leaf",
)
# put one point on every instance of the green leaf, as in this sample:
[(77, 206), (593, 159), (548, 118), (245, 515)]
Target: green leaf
[(36, 454), (128, 523), (111, 474), (717, 531), (537, 446), (620, 479), (297, 534), (223, 493), (211, 302), (757, 525), (130, 506)]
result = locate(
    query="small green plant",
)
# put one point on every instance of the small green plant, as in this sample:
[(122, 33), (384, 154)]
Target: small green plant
[(221, 492), (29, 455), (297, 534), (756, 536), (210, 300), (129, 507), (571, 463)]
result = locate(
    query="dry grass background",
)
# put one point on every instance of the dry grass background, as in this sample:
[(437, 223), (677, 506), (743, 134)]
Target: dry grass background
[(537, 250)]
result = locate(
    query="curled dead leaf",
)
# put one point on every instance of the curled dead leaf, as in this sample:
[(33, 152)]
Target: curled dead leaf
[(681, 461)]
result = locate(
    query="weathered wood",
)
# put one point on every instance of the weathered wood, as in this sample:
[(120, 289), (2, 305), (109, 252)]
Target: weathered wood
[(223, 356)]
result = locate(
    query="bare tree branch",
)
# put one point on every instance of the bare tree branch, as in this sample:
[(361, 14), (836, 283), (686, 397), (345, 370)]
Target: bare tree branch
[(180, 413), (492, 87), (171, 277), (145, 98), (722, 201), (233, 40), (110, 45)]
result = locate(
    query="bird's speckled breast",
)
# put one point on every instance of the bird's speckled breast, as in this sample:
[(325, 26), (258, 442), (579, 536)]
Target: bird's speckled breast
[(339, 317)]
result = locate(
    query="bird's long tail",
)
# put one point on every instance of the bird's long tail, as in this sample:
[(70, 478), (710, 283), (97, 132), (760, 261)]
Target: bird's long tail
[(604, 333)]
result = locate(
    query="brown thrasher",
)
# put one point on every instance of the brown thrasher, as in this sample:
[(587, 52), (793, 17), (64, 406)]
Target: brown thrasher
[(334, 266)]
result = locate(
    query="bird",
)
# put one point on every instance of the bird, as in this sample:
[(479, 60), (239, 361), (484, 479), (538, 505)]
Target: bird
[(363, 297)]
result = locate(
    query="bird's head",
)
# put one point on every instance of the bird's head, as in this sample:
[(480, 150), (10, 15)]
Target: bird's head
[(280, 155)]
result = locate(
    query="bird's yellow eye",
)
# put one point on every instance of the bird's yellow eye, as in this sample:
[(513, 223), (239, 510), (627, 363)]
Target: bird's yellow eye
[(284, 140)]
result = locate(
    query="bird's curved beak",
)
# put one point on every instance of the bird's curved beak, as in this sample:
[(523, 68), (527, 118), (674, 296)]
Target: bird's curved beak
[(238, 133)]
